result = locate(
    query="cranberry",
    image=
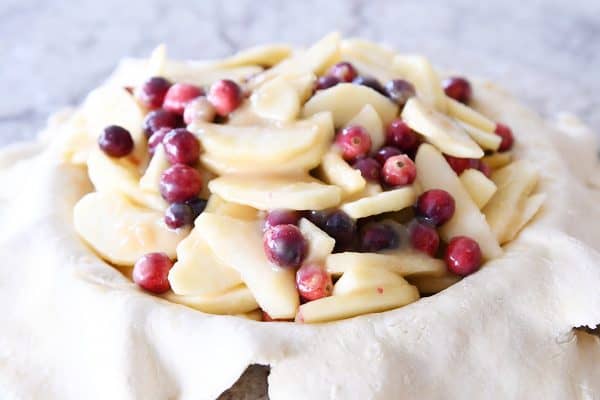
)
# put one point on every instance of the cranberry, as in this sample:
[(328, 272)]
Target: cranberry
[(459, 165), (327, 81), (180, 183), (371, 83), (178, 215), (313, 282), (484, 168), (281, 217), (199, 109), (225, 96), (151, 272), (181, 146), (386, 152), (152, 92), (116, 141), (399, 135), (399, 170), (507, 137), (463, 256), (198, 205), (285, 246), (179, 95), (157, 138), (424, 237), (341, 227), (160, 119), (369, 168), (354, 141), (378, 236), (436, 206), (458, 88), (343, 72), (399, 91), (317, 217)]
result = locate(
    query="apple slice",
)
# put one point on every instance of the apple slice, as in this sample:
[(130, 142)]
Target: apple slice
[(239, 244), (369, 119), (217, 205), (440, 130), (205, 73), (391, 200), (320, 244), (345, 100), (150, 181), (433, 172), (265, 55), (236, 301), (267, 193), (419, 71), (433, 284), (363, 278), (531, 207), (498, 160), (480, 187), (371, 189), (486, 140), (277, 99), (336, 171), (469, 116), (369, 68), (403, 262), (367, 51), (121, 232)]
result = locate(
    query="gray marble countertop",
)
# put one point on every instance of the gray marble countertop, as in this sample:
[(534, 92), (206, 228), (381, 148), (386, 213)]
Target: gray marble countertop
[(53, 52)]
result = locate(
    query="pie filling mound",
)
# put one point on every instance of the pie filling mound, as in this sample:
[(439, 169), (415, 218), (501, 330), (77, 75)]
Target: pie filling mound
[(306, 185)]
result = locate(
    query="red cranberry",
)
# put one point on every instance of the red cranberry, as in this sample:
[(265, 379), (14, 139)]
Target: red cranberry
[(378, 236), (151, 272), (463, 256), (317, 217), (341, 227), (424, 237), (386, 152), (313, 282), (343, 71), (459, 165), (161, 119), (116, 141), (225, 96), (354, 141), (198, 205), (285, 246), (281, 217), (399, 91), (484, 168), (152, 92), (157, 138), (371, 83), (458, 88), (179, 95), (369, 168), (178, 215), (180, 183), (507, 137), (327, 81), (199, 109), (181, 146), (436, 206), (399, 135), (399, 170)]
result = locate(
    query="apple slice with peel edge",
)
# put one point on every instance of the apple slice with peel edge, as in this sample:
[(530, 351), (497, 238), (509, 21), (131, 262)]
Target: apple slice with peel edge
[(480, 187), (336, 171), (239, 244), (391, 200), (486, 140), (433, 284), (466, 114), (363, 278), (217, 205), (440, 130), (150, 181), (238, 300), (369, 119), (320, 244), (434, 172), (531, 207), (498, 160), (419, 71), (121, 232)]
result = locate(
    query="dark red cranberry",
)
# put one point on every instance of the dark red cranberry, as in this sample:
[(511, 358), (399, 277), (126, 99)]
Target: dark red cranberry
[(371, 83), (399, 91), (399, 170), (161, 118), (463, 256), (354, 141), (458, 88), (313, 282), (369, 168), (116, 141), (151, 272), (386, 152), (178, 215), (341, 227), (484, 168), (225, 96), (152, 92), (399, 135), (179, 95), (507, 137), (181, 146), (378, 236), (327, 81), (343, 71), (180, 183), (459, 165), (281, 217), (317, 217), (157, 138), (424, 237), (285, 246), (198, 205), (435, 206)]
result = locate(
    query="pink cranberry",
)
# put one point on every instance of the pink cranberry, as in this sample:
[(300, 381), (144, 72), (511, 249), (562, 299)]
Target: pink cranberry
[(399, 170), (285, 246), (181, 147), (370, 82), (225, 96), (386, 152), (399, 135), (178, 215), (343, 71), (151, 272), (399, 91), (281, 217), (161, 118), (436, 206), (369, 168), (199, 109), (378, 236), (327, 81), (459, 165), (507, 137), (458, 88), (180, 183), (157, 139), (424, 237), (354, 141), (179, 95), (116, 141), (313, 282), (152, 92), (463, 256)]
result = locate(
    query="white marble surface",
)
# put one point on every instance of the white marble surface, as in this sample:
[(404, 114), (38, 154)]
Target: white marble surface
[(52, 52)]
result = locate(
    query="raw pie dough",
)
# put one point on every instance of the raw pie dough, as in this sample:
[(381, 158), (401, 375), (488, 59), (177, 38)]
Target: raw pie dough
[(74, 328)]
